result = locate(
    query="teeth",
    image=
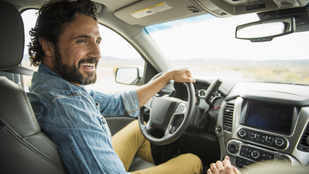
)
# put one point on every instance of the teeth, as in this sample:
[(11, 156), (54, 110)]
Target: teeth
[(88, 64)]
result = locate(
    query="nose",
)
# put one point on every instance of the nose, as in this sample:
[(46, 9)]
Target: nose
[(94, 51)]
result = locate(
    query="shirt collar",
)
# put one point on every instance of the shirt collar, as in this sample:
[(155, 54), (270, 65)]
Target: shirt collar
[(43, 68)]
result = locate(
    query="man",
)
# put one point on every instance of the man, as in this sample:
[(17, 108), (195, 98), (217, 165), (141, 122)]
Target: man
[(65, 46)]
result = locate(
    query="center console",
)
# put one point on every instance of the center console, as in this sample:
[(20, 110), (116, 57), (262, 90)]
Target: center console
[(256, 129), (246, 153)]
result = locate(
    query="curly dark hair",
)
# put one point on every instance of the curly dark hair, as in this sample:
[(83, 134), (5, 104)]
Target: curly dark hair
[(52, 19)]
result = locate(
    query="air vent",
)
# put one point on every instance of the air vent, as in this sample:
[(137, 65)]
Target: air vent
[(304, 141), (228, 117)]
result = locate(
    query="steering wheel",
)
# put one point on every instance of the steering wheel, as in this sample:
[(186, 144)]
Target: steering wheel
[(169, 114)]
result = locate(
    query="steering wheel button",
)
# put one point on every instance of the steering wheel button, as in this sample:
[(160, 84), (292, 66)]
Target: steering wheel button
[(180, 109)]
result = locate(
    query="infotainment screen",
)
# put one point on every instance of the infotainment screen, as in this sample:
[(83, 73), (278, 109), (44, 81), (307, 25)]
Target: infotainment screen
[(269, 116)]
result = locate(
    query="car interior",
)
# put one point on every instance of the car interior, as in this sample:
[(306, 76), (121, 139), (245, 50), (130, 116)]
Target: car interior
[(249, 121)]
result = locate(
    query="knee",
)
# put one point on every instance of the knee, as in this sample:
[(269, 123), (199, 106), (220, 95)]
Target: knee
[(192, 157), (133, 125), (134, 122), (195, 162)]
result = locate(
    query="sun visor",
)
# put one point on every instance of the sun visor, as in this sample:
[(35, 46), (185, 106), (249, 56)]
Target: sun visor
[(155, 11)]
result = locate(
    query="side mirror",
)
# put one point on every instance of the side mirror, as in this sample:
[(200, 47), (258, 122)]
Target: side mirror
[(262, 31), (128, 76)]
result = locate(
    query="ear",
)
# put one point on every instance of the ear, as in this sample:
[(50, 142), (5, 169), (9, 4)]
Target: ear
[(47, 47)]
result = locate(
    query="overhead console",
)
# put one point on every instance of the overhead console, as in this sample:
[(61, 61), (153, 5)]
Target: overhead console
[(263, 121), (225, 8), (157, 11)]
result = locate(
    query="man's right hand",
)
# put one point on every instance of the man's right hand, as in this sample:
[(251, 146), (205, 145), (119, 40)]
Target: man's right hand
[(224, 167)]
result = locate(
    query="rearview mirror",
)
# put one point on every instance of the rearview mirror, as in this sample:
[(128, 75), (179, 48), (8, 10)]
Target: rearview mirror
[(262, 31)]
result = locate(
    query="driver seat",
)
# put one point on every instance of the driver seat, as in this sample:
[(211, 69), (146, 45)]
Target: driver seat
[(23, 147)]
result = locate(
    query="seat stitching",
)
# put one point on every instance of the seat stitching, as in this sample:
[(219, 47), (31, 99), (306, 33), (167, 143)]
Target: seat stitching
[(29, 110), (29, 145)]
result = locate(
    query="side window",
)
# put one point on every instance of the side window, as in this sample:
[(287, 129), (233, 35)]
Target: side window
[(116, 52), (29, 19)]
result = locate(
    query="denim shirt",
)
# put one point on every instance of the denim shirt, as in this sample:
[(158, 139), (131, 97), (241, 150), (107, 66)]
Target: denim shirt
[(72, 117)]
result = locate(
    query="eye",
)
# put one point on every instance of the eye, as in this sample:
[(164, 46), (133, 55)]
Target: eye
[(98, 41), (81, 41)]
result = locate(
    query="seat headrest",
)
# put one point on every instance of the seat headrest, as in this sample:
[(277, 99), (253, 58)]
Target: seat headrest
[(11, 36)]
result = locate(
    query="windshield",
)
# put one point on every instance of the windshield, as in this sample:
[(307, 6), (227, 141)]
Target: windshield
[(207, 45)]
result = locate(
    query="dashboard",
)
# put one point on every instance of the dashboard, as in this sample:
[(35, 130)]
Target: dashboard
[(250, 122), (264, 121)]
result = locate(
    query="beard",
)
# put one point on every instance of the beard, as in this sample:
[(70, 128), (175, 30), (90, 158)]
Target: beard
[(72, 73)]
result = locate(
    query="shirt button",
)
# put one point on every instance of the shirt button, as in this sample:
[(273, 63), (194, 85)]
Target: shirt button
[(103, 120)]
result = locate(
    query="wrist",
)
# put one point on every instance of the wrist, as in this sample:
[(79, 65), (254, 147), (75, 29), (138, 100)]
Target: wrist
[(167, 76)]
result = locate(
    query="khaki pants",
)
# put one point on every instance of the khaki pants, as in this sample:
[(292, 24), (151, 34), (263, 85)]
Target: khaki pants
[(130, 141)]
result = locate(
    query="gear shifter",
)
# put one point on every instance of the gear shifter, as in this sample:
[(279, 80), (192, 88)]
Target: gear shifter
[(211, 89)]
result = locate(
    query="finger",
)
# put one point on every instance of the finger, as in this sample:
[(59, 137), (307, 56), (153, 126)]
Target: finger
[(226, 161), (236, 170), (192, 80), (228, 170), (188, 72), (219, 164), (226, 158), (209, 171), (188, 80), (213, 168)]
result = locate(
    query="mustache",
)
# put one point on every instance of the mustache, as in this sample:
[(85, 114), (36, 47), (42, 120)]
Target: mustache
[(89, 60)]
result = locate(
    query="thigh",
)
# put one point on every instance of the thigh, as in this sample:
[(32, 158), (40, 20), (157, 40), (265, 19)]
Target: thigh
[(128, 142)]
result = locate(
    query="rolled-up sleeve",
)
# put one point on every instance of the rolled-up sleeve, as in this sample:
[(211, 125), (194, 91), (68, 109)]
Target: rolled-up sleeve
[(117, 104), (131, 103)]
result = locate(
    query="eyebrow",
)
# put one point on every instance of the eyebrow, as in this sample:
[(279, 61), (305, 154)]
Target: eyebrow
[(84, 36), (81, 36)]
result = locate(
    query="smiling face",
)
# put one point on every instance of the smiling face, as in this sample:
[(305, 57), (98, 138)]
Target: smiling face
[(77, 54)]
